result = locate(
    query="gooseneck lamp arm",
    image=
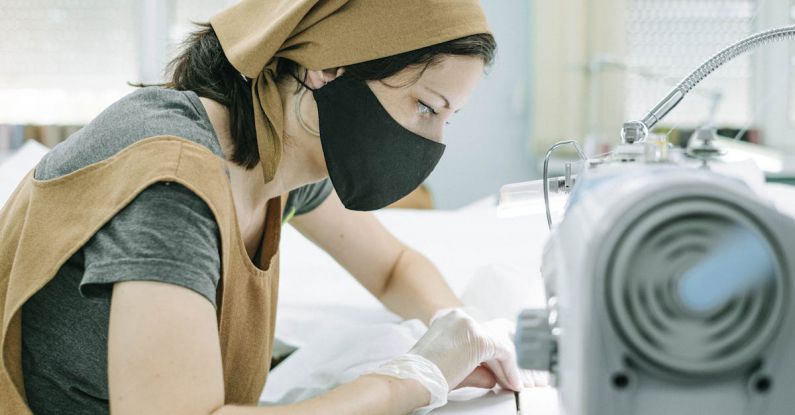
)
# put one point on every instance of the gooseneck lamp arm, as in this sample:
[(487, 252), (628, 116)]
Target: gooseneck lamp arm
[(636, 131)]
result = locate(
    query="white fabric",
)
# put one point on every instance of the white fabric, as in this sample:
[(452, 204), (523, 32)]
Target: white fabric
[(515, 289), (483, 402), (534, 401), (468, 247), (342, 329)]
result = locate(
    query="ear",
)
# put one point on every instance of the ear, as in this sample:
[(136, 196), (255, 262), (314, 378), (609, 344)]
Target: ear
[(317, 79)]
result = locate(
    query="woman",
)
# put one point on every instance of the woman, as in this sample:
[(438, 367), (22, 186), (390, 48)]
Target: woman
[(170, 203)]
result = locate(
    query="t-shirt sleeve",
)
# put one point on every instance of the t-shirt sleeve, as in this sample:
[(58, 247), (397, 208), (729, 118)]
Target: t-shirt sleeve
[(166, 234), (307, 198)]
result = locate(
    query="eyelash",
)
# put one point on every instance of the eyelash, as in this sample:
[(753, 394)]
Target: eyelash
[(424, 105), (432, 111)]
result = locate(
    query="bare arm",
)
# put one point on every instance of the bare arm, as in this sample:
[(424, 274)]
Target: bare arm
[(404, 280), (164, 357)]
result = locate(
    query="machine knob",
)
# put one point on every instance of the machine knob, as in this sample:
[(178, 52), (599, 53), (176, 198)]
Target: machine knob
[(535, 344)]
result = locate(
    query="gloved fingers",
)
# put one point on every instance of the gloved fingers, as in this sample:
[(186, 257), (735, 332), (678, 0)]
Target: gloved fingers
[(528, 379), (481, 377), (499, 374), (511, 369), (501, 333), (505, 367)]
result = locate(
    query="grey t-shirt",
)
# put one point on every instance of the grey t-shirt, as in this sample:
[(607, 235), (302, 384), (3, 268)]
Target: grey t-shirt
[(166, 234)]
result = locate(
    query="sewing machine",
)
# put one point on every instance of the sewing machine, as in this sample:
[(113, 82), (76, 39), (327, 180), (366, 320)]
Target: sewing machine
[(669, 284)]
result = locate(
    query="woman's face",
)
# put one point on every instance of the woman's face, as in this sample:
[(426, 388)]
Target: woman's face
[(424, 107)]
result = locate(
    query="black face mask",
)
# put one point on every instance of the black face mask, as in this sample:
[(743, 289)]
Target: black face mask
[(372, 160)]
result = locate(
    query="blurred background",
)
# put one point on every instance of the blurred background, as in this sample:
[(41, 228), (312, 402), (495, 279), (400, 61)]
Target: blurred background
[(574, 69)]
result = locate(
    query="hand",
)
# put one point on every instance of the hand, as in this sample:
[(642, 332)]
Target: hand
[(464, 349), (455, 348), (483, 376)]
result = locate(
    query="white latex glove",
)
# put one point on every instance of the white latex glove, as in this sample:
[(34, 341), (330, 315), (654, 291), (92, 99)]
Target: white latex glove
[(458, 344), (454, 345), (501, 328)]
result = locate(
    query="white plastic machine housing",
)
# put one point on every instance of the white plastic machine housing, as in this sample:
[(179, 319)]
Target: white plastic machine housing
[(625, 345)]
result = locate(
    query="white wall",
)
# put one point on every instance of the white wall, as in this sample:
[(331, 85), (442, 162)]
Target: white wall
[(488, 141)]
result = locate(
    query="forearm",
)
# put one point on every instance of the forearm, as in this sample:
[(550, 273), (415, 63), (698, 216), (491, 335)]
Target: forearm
[(369, 394), (416, 289)]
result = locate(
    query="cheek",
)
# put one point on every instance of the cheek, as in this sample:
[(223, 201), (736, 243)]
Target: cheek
[(397, 102), (402, 106), (430, 128), (437, 132), (408, 114)]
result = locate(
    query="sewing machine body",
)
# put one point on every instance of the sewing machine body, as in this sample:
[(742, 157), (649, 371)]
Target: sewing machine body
[(611, 356)]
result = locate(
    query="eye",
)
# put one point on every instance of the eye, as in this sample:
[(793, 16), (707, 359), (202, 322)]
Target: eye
[(424, 109)]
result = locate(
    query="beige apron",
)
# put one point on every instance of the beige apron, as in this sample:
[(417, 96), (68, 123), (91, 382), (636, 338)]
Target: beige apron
[(45, 222)]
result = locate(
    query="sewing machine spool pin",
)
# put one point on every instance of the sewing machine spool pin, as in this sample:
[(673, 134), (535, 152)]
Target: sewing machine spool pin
[(556, 184)]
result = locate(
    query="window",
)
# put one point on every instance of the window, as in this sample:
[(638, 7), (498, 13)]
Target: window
[(668, 39), (64, 61)]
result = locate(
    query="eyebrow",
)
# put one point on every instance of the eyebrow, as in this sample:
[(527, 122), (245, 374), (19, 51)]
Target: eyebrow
[(446, 101)]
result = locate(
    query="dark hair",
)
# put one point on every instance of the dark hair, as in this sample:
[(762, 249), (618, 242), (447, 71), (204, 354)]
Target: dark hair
[(203, 68)]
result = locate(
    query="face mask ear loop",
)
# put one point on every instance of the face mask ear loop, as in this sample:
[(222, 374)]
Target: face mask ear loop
[(297, 108)]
